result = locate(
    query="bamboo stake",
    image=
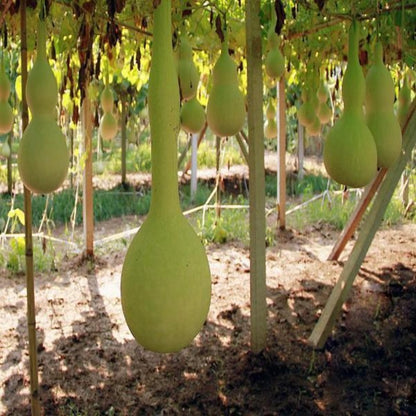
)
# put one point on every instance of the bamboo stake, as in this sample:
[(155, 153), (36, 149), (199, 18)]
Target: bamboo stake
[(87, 200), (123, 142), (281, 150), (258, 307), (9, 165), (30, 284), (375, 216)]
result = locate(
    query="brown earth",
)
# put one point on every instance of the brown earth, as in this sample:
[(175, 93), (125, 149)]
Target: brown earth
[(89, 362)]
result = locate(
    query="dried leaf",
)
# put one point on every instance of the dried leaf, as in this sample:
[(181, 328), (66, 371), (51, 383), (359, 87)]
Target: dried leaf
[(280, 16)]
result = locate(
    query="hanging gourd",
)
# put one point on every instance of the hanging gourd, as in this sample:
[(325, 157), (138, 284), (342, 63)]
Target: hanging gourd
[(307, 111), (275, 61), (165, 280), (270, 125), (324, 112), (187, 73), (404, 102), (43, 156), (382, 122), (5, 150), (192, 116), (6, 112), (350, 154), (108, 124), (226, 109)]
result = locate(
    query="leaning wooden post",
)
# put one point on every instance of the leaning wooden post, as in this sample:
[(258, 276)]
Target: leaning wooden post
[(194, 165), (369, 228), (30, 284), (258, 307), (87, 200), (281, 151)]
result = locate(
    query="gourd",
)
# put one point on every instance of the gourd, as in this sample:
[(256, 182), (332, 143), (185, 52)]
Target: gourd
[(5, 150), (307, 110), (350, 154), (192, 116), (380, 117), (314, 129), (6, 112), (107, 99), (404, 102), (187, 73), (41, 86), (165, 280), (324, 112), (275, 61), (226, 109), (108, 124), (270, 125), (43, 156)]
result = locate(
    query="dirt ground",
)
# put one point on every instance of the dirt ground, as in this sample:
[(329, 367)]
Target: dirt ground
[(89, 364)]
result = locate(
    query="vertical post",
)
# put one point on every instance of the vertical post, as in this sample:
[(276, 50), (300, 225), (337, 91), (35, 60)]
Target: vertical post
[(123, 142), (30, 284), (87, 200), (9, 165), (194, 165), (218, 177), (301, 150), (258, 307), (281, 151), (71, 155)]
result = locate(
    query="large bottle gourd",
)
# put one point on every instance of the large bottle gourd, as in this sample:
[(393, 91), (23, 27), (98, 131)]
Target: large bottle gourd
[(350, 154), (165, 280), (275, 61), (379, 100), (187, 72), (226, 105), (6, 112), (43, 156)]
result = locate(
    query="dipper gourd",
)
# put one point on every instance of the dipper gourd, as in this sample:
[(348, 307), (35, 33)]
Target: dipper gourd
[(5, 150), (382, 122), (307, 111), (404, 102), (226, 109), (107, 99), (192, 116), (41, 86), (350, 154), (275, 61), (165, 280), (4, 83), (270, 125), (43, 156), (108, 126), (187, 73)]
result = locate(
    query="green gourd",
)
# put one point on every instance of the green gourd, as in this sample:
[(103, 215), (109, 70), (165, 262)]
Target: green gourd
[(108, 126), (226, 110), (324, 113), (306, 113), (43, 156), (404, 102), (322, 92), (4, 83), (5, 150), (275, 61), (270, 128), (192, 116), (350, 154), (270, 110), (382, 122), (314, 129), (41, 86), (107, 99), (6, 117), (187, 73), (165, 280)]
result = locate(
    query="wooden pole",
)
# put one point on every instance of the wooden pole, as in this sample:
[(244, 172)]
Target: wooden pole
[(87, 200), (123, 142), (194, 165), (218, 177), (374, 218), (301, 151), (30, 283), (9, 165), (357, 215), (281, 149), (258, 307), (188, 146), (242, 145)]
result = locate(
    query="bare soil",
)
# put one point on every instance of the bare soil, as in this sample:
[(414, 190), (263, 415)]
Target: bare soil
[(89, 362)]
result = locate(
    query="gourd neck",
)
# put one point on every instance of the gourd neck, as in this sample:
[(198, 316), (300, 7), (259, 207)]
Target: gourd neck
[(378, 53), (353, 43), (41, 40), (164, 116)]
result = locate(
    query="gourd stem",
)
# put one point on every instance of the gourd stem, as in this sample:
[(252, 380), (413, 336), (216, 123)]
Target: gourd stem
[(164, 116), (41, 39)]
